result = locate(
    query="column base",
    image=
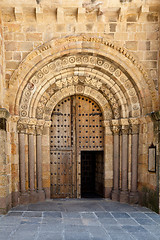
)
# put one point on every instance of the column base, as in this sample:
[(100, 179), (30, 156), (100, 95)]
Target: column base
[(15, 198), (124, 197), (33, 197), (41, 195), (134, 197), (115, 195), (24, 198), (47, 192), (107, 192)]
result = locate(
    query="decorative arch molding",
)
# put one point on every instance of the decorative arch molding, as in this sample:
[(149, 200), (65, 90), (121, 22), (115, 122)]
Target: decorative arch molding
[(78, 90), (108, 77), (104, 57)]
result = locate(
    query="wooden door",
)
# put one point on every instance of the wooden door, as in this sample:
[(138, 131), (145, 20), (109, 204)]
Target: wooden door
[(62, 150), (76, 126)]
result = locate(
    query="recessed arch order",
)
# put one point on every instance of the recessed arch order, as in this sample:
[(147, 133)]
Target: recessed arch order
[(86, 65)]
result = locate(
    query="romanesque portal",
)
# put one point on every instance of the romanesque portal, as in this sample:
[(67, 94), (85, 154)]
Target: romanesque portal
[(79, 121)]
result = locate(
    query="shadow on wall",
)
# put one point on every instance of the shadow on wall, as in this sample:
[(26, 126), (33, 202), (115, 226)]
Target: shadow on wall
[(149, 198)]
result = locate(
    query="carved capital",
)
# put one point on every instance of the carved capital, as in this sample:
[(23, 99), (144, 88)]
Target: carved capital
[(124, 126), (106, 123), (142, 120), (31, 129), (21, 127), (124, 122), (124, 129), (134, 129), (32, 121), (134, 125), (47, 124), (115, 128), (39, 129)]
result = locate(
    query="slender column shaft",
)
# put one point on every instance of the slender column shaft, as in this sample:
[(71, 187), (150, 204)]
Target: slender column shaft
[(108, 155), (39, 161), (124, 163), (31, 162), (22, 161), (134, 164), (134, 160), (116, 161)]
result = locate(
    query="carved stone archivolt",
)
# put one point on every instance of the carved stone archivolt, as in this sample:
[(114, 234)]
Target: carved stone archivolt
[(111, 59), (30, 126), (97, 73)]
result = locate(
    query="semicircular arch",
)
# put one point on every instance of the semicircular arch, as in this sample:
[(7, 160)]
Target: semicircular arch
[(99, 51)]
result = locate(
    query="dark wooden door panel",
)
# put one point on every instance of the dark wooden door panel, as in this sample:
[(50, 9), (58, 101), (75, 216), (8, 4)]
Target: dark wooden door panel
[(61, 174)]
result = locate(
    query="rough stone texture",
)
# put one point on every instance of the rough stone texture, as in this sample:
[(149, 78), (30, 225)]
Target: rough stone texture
[(107, 51), (1, 61)]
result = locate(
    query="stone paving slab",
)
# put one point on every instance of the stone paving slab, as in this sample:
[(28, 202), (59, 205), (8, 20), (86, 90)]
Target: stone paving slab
[(80, 219)]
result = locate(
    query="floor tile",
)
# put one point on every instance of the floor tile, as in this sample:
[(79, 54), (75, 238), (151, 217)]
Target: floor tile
[(80, 219)]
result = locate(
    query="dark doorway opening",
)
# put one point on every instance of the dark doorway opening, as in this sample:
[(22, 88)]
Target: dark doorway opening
[(92, 174)]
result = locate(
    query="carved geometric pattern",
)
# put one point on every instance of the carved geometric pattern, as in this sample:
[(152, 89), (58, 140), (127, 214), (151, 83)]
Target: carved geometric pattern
[(115, 78)]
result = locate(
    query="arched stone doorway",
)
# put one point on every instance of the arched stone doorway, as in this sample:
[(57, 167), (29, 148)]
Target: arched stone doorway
[(103, 72), (77, 143)]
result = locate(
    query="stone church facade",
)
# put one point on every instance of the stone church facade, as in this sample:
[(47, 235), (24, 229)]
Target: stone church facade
[(79, 101)]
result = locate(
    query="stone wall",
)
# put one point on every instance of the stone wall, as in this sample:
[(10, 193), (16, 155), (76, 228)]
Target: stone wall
[(1, 61), (136, 29), (133, 26)]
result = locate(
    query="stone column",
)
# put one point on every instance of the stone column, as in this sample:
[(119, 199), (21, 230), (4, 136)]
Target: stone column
[(31, 163), (134, 159), (13, 156), (22, 167), (124, 160), (108, 155), (116, 159), (46, 159), (39, 130)]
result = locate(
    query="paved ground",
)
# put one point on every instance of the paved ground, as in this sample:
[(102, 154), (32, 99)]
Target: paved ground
[(77, 219)]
